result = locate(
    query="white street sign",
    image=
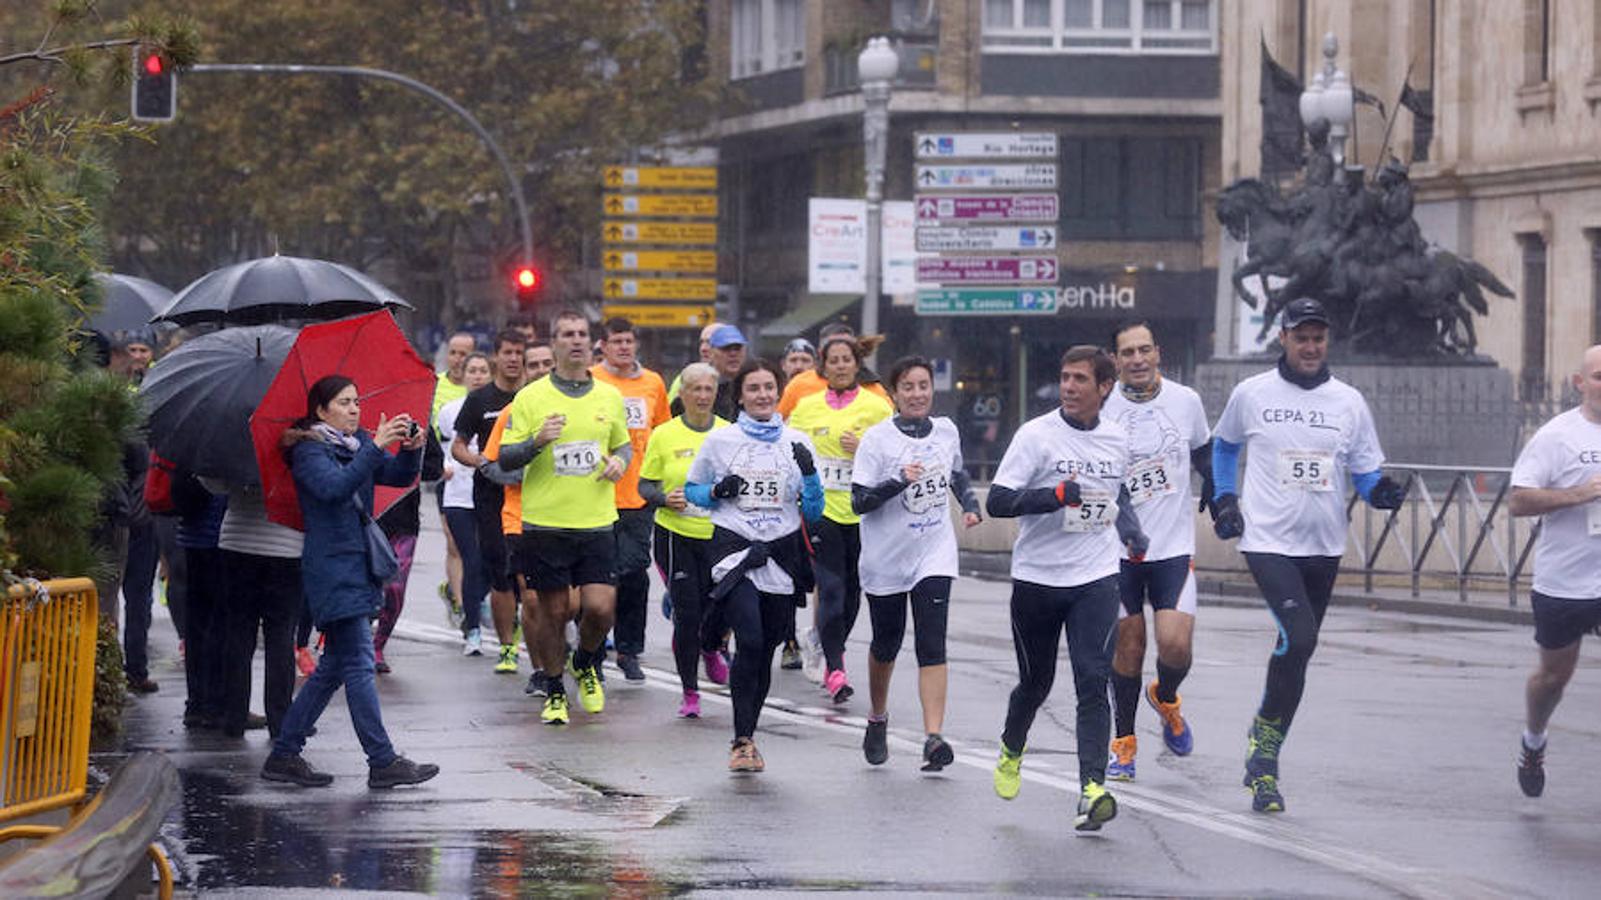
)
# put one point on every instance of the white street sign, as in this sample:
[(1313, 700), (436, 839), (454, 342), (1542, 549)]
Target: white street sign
[(983, 238), (837, 247), (984, 145), (1012, 176)]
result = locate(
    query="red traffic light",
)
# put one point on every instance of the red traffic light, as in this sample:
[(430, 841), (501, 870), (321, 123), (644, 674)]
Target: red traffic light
[(153, 64), (527, 278)]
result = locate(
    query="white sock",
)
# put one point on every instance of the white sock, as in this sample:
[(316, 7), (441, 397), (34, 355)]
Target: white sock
[(1533, 741)]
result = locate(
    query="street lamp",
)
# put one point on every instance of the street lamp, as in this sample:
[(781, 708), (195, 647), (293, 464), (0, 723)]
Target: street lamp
[(1329, 97), (877, 66)]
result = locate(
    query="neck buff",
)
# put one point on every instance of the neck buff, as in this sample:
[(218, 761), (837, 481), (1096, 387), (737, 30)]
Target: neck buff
[(1307, 382), (766, 432), (1142, 396), (914, 428)]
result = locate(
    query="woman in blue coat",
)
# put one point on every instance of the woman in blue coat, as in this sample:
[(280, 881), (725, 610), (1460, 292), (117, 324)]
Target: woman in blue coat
[(335, 466)]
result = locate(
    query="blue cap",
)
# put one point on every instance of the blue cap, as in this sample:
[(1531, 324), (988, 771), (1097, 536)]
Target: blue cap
[(727, 336)]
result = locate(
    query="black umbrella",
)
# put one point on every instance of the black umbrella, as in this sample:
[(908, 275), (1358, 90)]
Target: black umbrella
[(128, 305), (200, 396), (276, 288)]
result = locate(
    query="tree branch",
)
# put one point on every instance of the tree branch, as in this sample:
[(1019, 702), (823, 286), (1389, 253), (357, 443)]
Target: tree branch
[(53, 55)]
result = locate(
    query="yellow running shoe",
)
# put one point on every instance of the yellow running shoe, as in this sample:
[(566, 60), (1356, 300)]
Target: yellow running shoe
[(1096, 807), (1121, 766), (507, 663), (555, 712), (591, 696), (1008, 773)]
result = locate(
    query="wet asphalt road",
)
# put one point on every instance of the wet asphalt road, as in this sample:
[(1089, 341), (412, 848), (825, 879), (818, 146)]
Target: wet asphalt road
[(1398, 776)]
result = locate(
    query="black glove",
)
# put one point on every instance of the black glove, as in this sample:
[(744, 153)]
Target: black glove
[(1226, 519), (803, 458), (1387, 494), (729, 487), (1207, 504), (1069, 494), (757, 555)]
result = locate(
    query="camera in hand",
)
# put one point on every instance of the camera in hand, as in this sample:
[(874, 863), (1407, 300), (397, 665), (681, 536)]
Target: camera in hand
[(413, 431)]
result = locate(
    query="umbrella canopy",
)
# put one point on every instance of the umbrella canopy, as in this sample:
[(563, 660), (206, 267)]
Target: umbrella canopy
[(129, 303), (199, 398), (275, 288), (369, 350)]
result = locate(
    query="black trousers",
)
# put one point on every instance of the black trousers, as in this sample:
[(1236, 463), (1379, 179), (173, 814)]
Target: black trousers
[(686, 567), (204, 636), (839, 592), (263, 592), (758, 622), (138, 593), (633, 536), (1088, 613), (1297, 590)]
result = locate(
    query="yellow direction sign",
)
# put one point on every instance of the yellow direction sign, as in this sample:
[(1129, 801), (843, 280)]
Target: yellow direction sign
[(701, 234), (700, 205), (660, 288), (660, 315), (660, 260), (681, 177)]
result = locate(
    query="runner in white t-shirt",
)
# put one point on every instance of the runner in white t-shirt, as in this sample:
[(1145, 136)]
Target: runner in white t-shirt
[(1065, 475), (905, 470), (1308, 433), (1558, 477), (1168, 437), (456, 504)]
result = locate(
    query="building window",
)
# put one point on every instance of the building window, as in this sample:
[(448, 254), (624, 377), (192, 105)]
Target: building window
[(766, 36), (1101, 26), (1532, 381), (1536, 41), (1130, 188)]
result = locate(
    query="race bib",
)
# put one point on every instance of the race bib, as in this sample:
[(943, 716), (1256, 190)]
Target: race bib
[(1148, 479), (1595, 518), (835, 473), (1307, 470), (1099, 510), (634, 407), (576, 457), (927, 493), (760, 490)]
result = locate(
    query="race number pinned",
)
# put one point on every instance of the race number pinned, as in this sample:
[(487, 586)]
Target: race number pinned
[(1307, 470), (1098, 510), (1148, 479), (634, 407), (835, 472), (928, 493), (761, 490), (576, 457)]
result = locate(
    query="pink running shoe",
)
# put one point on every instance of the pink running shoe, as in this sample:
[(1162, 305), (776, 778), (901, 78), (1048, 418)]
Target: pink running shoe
[(716, 667), (838, 686), (690, 708)]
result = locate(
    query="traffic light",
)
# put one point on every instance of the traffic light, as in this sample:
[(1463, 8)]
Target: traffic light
[(155, 87), (527, 280)]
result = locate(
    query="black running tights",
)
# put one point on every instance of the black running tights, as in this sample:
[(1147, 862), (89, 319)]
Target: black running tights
[(758, 622), (1297, 590)]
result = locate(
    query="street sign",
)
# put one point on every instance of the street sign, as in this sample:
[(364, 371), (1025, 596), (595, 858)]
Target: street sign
[(701, 205), (987, 270), (836, 248), (660, 260), (700, 178), (987, 208), (984, 145), (987, 302), (980, 238), (702, 234), (660, 288), (991, 177), (660, 315)]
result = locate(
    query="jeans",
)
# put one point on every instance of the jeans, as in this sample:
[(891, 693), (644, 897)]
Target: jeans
[(405, 546), (263, 592), (346, 661), (138, 587), (203, 653), (463, 525)]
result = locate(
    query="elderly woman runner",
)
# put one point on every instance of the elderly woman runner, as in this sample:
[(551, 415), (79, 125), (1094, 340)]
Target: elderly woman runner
[(759, 479), (334, 468)]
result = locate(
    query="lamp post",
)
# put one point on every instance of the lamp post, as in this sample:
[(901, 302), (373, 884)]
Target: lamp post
[(1329, 97), (876, 66)]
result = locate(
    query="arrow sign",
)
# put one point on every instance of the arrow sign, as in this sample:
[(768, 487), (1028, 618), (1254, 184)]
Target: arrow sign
[(700, 234), (1016, 175), (983, 238), (985, 145), (988, 208), (697, 205), (663, 261), (662, 288), (680, 177), (991, 302), (987, 270)]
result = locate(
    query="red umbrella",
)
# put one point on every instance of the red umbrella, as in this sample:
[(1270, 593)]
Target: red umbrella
[(369, 350)]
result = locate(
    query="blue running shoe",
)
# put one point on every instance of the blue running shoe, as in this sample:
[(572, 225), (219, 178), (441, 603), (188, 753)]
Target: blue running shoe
[(1120, 767), (1176, 732)]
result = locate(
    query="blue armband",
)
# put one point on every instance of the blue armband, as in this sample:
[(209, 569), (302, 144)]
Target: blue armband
[(700, 495), (1364, 482), (811, 497), (1225, 468)]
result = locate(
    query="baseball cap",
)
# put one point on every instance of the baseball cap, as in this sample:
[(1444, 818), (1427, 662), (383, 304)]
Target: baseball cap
[(800, 345), (1301, 311), (727, 336)]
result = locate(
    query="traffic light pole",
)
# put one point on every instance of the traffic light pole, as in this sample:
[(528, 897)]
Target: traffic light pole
[(512, 181)]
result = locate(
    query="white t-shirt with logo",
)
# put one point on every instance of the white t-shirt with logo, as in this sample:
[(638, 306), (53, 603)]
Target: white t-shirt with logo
[(1161, 433), (1073, 545), (768, 506), (459, 487), (1565, 452), (1302, 447), (909, 537)]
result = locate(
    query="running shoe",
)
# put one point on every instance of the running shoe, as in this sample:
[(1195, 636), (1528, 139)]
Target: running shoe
[(838, 686), (536, 684), (1008, 773), (813, 665), (473, 645), (1531, 770), (1265, 796), (628, 664), (1120, 767), (507, 663), (791, 658), (305, 661), (1096, 807), (937, 754), (875, 745), (453, 613), (690, 708), (1175, 731), (591, 696), (716, 667), (744, 757), (555, 712), (1263, 742), (378, 663)]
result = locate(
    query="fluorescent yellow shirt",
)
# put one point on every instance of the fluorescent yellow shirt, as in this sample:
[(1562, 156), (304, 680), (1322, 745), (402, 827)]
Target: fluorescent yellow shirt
[(824, 424), (562, 487), (444, 392), (668, 456)]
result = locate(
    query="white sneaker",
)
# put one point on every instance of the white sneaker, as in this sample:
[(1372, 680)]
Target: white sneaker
[(813, 665), (473, 645)]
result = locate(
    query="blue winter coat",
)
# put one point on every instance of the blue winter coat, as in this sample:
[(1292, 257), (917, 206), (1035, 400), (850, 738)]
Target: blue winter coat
[(337, 580)]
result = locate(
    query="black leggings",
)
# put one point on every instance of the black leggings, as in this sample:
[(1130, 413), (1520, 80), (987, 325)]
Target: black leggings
[(686, 568), (930, 601), (839, 592), (1297, 590), (757, 618), (1088, 612)]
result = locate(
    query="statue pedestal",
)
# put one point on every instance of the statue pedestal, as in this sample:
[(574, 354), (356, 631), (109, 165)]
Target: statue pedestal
[(1446, 413)]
